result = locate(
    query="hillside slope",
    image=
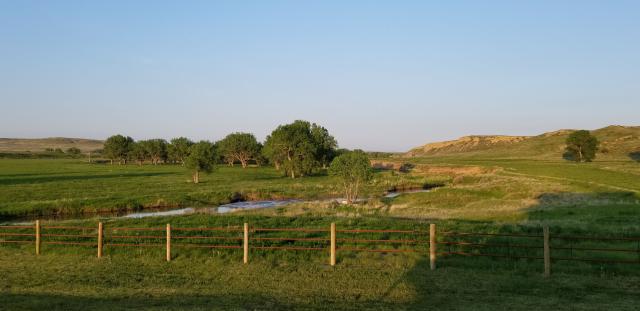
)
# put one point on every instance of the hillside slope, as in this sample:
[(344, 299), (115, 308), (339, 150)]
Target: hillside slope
[(40, 144), (616, 142)]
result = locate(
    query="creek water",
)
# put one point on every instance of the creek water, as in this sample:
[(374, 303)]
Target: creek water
[(222, 209)]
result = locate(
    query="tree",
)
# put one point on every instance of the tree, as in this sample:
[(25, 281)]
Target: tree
[(178, 149), (354, 168), (239, 146), (326, 145), (270, 152), (138, 152), (117, 147), (156, 150), (201, 158), (293, 148), (582, 146), (74, 151), (260, 158)]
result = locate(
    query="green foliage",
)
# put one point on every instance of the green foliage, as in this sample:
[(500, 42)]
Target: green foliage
[(581, 146), (202, 158), (74, 151), (271, 152), (354, 169), (178, 149), (299, 148), (156, 150), (325, 144), (240, 147), (117, 147), (138, 152)]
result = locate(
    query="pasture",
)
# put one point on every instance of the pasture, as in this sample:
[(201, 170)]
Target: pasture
[(512, 196)]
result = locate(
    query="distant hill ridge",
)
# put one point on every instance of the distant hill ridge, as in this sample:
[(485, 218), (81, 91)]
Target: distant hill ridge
[(615, 141), (40, 144)]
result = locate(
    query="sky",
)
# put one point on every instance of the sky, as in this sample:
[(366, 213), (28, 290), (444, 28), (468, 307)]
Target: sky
[(379, 75)]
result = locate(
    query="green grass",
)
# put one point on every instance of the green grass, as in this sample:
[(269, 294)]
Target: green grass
[(208, 283), (505, 196), (44, 187), (71, 278)]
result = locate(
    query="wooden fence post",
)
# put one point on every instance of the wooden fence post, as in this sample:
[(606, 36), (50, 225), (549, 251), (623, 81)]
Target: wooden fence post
[(168, 242), (432, 246), (333, 244), (37, 227), (547, 253), (100, 239), (245, 244)]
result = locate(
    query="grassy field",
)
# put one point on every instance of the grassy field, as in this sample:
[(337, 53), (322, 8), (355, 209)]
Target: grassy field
[(43, 187), (128, 278), (479, 195)]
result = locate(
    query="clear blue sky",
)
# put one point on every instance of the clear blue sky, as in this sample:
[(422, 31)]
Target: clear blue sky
[(379, 75)]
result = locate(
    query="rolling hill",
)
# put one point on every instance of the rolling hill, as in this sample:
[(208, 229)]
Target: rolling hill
[(9, 145), (616, 142)]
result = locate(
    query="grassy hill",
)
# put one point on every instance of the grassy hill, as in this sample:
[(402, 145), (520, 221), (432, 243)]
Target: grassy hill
[(616, 142), (9, 145)]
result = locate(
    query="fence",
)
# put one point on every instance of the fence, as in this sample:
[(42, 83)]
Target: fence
[(619, 250)]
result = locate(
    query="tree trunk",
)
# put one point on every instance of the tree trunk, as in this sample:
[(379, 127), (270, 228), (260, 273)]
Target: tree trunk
[(580, 154), (243, 163), (111, 161), (277, 165), (196, 177)]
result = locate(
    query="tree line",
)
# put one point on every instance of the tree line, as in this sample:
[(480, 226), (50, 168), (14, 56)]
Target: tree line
[(297, 149)]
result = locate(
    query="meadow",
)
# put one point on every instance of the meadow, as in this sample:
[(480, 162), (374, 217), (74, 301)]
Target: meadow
[(478, 195)]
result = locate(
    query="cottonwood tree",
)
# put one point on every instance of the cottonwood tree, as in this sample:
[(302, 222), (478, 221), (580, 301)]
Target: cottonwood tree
[(138, 152), (292, 146), (117, 147), (270, 152), (201, 158), (354, 169), (239, 146), (326, 145), (582, 146), (156, 150), (178, 149)]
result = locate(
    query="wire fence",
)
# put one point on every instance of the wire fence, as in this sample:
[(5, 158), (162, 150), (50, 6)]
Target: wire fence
[(436, 245)]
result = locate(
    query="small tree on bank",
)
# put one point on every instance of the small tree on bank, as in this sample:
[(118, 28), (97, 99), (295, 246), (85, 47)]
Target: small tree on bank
[(201, 159), (582, 146), (354, 169), (239, 146)]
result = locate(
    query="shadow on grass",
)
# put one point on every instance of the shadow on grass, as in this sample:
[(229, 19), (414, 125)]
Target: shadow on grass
[(46, 178), (573, 218)]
